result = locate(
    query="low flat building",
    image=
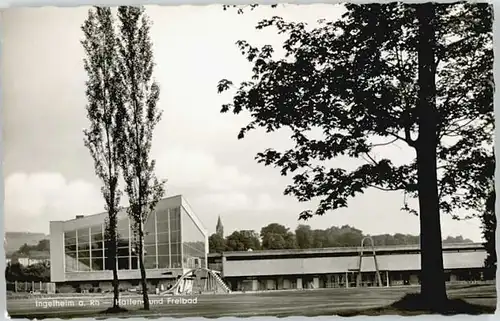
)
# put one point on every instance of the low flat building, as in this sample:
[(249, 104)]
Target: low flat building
[(342, 267), (26, 260), (174, 242)]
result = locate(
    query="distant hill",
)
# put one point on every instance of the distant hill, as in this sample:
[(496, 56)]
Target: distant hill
[(14, 240)]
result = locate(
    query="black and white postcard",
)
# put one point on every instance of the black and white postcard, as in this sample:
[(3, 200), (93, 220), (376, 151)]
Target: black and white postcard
[(249, 160)]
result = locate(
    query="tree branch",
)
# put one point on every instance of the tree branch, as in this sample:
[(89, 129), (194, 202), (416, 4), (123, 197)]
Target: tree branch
[(408, 138), (456, 129), (385, 144), (384, 189), (407, 109), (442, 131), (372, 159), (397, 136)]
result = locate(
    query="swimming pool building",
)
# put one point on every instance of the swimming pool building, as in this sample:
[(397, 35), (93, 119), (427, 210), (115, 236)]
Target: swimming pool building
[(174, 242)]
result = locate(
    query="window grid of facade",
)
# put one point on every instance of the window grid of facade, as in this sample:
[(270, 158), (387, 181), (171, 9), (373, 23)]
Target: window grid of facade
[(193, 243), (156, 240), (171, 240)]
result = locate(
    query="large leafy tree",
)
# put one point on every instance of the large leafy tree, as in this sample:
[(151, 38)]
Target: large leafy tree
[(242, 241), (216, 243), (141, 94), (43, 245), (383, 73), (37, 272), (14, 272), (276, 236), (304, 236), (103, 137), (24, 249), (457, 239)]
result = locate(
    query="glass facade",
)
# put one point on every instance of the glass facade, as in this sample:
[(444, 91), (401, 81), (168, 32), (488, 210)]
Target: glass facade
[(166, 244), (84, 249), (168, 229), (193, 243)]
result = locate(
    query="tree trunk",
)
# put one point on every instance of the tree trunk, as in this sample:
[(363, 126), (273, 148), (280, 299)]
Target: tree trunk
[(116, 291), (433, 288), (489, 230), (112, 253), (143, 271)]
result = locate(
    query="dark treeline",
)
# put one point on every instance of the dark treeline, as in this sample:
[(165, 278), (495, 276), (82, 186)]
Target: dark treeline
[(39, 271), (276, 236), (27, 250)]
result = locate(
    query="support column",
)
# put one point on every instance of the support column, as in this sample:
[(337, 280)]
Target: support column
[(387, 278), (169, 240), (316, 282), (156, 240), (129, 245), (255, 285), (346, 279)]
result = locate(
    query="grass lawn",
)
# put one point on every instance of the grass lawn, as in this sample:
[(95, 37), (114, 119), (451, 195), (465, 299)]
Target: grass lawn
[(471, 299)]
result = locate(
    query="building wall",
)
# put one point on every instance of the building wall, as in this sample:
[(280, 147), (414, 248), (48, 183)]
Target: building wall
[(338, 280), (325, 265), (336, 267), (107, 286), (122, 274), (56, 251), (25, 261), (193, 242)]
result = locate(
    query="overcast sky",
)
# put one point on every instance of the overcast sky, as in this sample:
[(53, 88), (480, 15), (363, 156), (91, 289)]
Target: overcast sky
[(49, 174)]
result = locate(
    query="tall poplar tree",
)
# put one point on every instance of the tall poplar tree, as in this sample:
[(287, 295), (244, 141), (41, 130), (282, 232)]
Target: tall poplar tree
[(105, 113), (141, 94), (419, 74)]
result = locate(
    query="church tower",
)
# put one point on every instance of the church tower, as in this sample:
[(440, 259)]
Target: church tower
[(219, 229)]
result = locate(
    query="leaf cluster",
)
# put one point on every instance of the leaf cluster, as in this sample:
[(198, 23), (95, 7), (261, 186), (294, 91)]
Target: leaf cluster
[(143, 188), (354, 81)]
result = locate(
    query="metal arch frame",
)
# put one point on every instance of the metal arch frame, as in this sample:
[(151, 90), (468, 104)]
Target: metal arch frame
[(213, 282), (361, 253)]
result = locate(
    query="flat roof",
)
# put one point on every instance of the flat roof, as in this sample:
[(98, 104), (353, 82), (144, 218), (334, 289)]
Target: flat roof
[(324, 265), (346, 250), (79, 217), (170, 202)]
